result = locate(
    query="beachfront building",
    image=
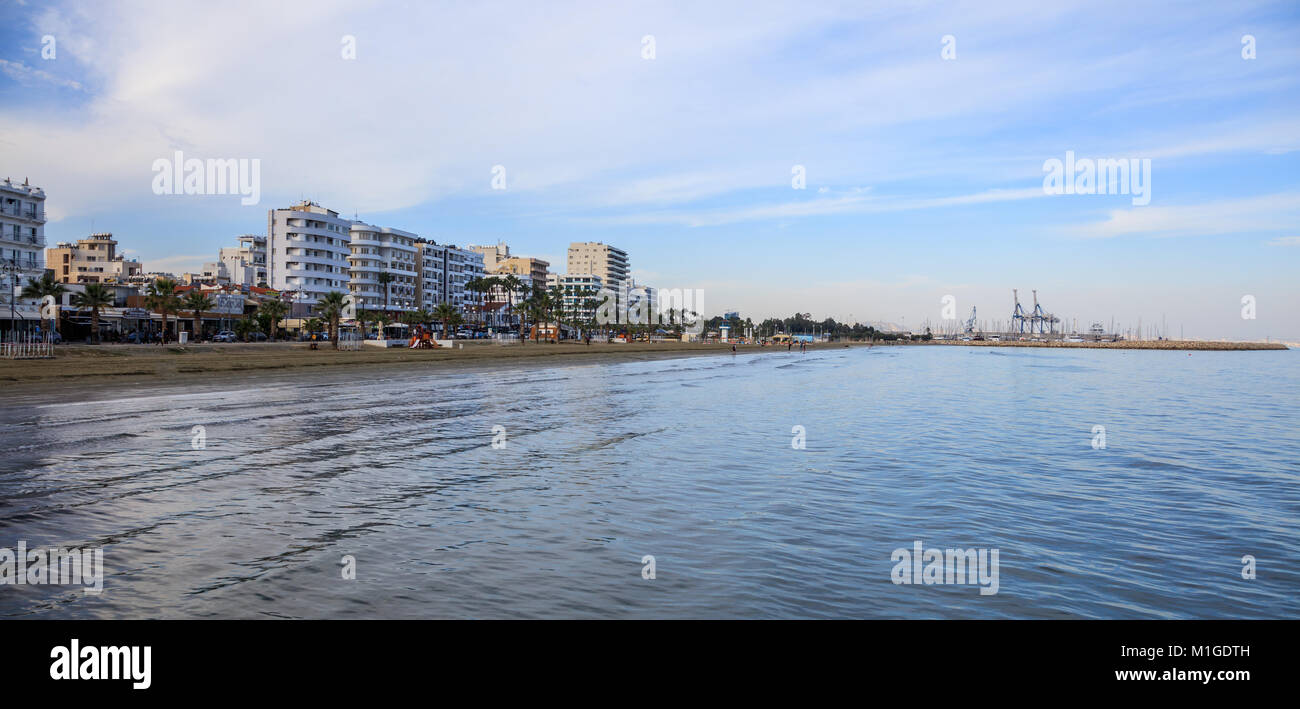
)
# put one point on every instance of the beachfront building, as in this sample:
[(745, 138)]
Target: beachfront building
[(608, 262), (308, 247), (382, 254), (22, 244), (581, 294), (90, 260), (531, 271), (444, 271), (246, 264)]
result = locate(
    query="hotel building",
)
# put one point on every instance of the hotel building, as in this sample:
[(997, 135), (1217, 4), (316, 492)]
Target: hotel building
[(308, 247), (608, 262), (377, 251), (581, 294), (444, 270)]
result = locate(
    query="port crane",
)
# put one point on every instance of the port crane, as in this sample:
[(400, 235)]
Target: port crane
[(1036, 321), (970, 322)]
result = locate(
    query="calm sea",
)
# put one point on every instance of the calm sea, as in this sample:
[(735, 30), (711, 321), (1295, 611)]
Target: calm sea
[(296, 480)]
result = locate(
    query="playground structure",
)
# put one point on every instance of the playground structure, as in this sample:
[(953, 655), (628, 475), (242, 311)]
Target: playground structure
[(422, 339)]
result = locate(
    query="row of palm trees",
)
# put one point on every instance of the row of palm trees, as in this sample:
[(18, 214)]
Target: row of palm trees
[(538, 306)]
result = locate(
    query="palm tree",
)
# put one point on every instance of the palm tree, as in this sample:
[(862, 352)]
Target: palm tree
[(196, 302), (363, 317), (38, 288), (444, 313), (554, 299), (96, 296), (331, 306), (384, 279), (244, 327), (477, 286), (272, 311), (162, 297), (513, 285)]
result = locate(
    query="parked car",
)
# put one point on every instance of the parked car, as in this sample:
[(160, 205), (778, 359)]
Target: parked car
[(257, 336), (225, 336)]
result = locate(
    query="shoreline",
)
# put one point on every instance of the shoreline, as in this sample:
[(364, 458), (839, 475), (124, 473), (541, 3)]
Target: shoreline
[(116, 363), (122, 364), (1202, 345)]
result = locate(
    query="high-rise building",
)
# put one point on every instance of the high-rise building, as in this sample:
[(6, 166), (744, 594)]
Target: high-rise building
[(444, 269), (90, 260), (22, 244), (596, 258), (307, 252), (380, 253)]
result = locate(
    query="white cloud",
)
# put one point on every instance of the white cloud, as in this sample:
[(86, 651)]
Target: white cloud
[(30, 76), (1237, 216)]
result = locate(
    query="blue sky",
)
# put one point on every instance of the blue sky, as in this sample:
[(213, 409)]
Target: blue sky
[(924, 174)]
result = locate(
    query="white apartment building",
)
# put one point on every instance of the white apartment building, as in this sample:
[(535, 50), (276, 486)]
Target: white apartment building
[(308, 247), (246, 264), (594, 257), (377, 251), (581, 293), (444, 271), (22, 247)]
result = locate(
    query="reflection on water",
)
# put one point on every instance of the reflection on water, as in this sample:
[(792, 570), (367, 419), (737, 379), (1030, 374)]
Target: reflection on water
[(688, 460)]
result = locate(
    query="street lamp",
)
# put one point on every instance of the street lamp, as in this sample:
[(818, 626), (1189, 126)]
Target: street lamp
[(10, 267)]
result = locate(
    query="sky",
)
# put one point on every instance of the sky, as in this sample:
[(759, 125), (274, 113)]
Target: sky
[(678, 130)]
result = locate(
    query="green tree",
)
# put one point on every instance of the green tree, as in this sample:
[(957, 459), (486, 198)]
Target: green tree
[(96, 296), (38, 288), (244, 328), (384, 279), (161, 297), (331, 306), (445, 313), (196, 302), (270, 312)]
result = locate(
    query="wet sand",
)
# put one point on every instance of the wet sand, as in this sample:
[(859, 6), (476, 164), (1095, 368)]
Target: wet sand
[(85, 365)]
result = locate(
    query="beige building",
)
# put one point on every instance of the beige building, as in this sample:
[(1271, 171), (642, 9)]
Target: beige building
[(532, 271), (607, 262), (492, 255), (90, 260)]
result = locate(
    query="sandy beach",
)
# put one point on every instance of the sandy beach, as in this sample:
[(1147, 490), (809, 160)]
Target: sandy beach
[(84, 363), (81, 364)]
